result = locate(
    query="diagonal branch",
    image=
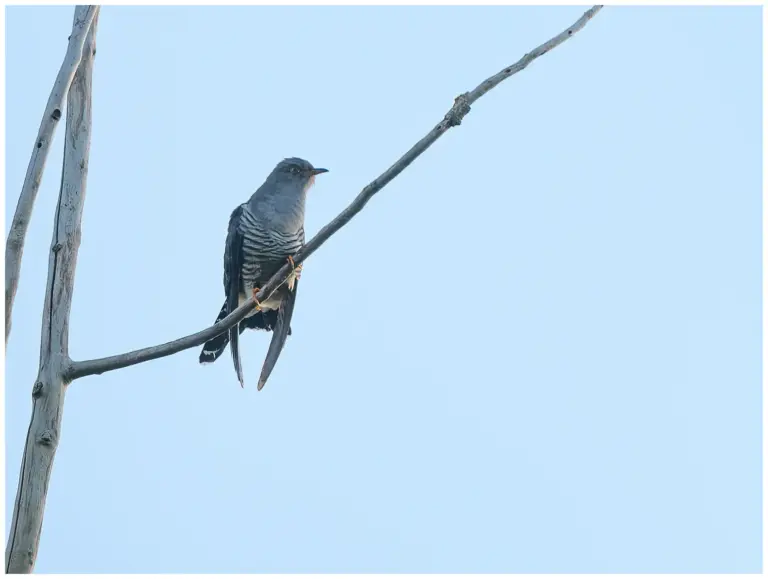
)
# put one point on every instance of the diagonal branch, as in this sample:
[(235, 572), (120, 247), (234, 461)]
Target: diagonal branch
[(101, 365), (15, 245), (452, 118)]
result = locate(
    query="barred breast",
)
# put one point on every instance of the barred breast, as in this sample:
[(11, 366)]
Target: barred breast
[(264, 251)]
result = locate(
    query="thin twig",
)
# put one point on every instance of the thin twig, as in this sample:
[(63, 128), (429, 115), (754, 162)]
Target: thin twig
[(452, 118), (14, 247)]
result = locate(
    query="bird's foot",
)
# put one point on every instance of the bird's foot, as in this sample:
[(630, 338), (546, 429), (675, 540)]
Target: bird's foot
[(296, 269), (295, 273), (258, 303)]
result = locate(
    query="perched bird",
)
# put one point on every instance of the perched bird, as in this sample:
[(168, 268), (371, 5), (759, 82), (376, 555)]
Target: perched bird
[(264, 233)]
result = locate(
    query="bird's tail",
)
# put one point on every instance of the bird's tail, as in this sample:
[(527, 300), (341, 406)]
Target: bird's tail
[(234, 337), (214, 347)]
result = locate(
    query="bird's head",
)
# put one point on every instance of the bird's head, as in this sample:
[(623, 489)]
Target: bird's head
[(298, 171)]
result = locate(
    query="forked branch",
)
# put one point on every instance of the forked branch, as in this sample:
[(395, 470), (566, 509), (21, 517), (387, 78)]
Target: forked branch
[(14, 247)]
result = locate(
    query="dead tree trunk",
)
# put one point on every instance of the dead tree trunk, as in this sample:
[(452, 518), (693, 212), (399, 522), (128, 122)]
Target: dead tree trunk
[(49, 388)]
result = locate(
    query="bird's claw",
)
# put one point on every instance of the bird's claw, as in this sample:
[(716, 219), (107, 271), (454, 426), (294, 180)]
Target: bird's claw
[(295, 272), (258, 303), (296, 269)]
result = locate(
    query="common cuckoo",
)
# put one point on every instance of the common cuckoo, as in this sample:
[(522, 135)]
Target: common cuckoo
[(264, 233)]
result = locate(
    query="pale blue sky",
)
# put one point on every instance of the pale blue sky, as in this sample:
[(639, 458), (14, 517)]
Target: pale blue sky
[(537, 350)]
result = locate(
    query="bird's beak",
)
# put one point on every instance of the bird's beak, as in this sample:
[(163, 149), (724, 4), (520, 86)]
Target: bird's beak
[(318, 171)]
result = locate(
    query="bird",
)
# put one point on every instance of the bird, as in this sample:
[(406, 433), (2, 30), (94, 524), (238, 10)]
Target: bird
[(263, 233)]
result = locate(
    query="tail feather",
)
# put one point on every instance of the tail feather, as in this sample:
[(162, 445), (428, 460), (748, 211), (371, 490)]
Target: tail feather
[(215, 347), (234, 336), (282, 330)]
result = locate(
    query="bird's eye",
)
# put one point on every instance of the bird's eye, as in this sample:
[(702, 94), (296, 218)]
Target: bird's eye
[(294, 170)]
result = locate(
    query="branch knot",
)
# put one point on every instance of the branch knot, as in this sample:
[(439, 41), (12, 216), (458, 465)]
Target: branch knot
[(458, 111), (46, 438)]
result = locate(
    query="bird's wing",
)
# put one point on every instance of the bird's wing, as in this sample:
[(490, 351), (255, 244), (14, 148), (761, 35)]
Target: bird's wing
[(233, 259), (279, 333)]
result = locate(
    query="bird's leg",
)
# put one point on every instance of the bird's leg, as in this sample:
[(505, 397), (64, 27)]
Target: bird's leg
[(258, 303)]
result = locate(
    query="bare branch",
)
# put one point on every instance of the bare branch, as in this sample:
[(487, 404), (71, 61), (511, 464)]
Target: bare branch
[(48, 391), (452, 118), (101, 365), (14, 247)]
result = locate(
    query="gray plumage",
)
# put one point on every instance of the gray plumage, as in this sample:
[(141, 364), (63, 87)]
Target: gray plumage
[(263, 233)]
